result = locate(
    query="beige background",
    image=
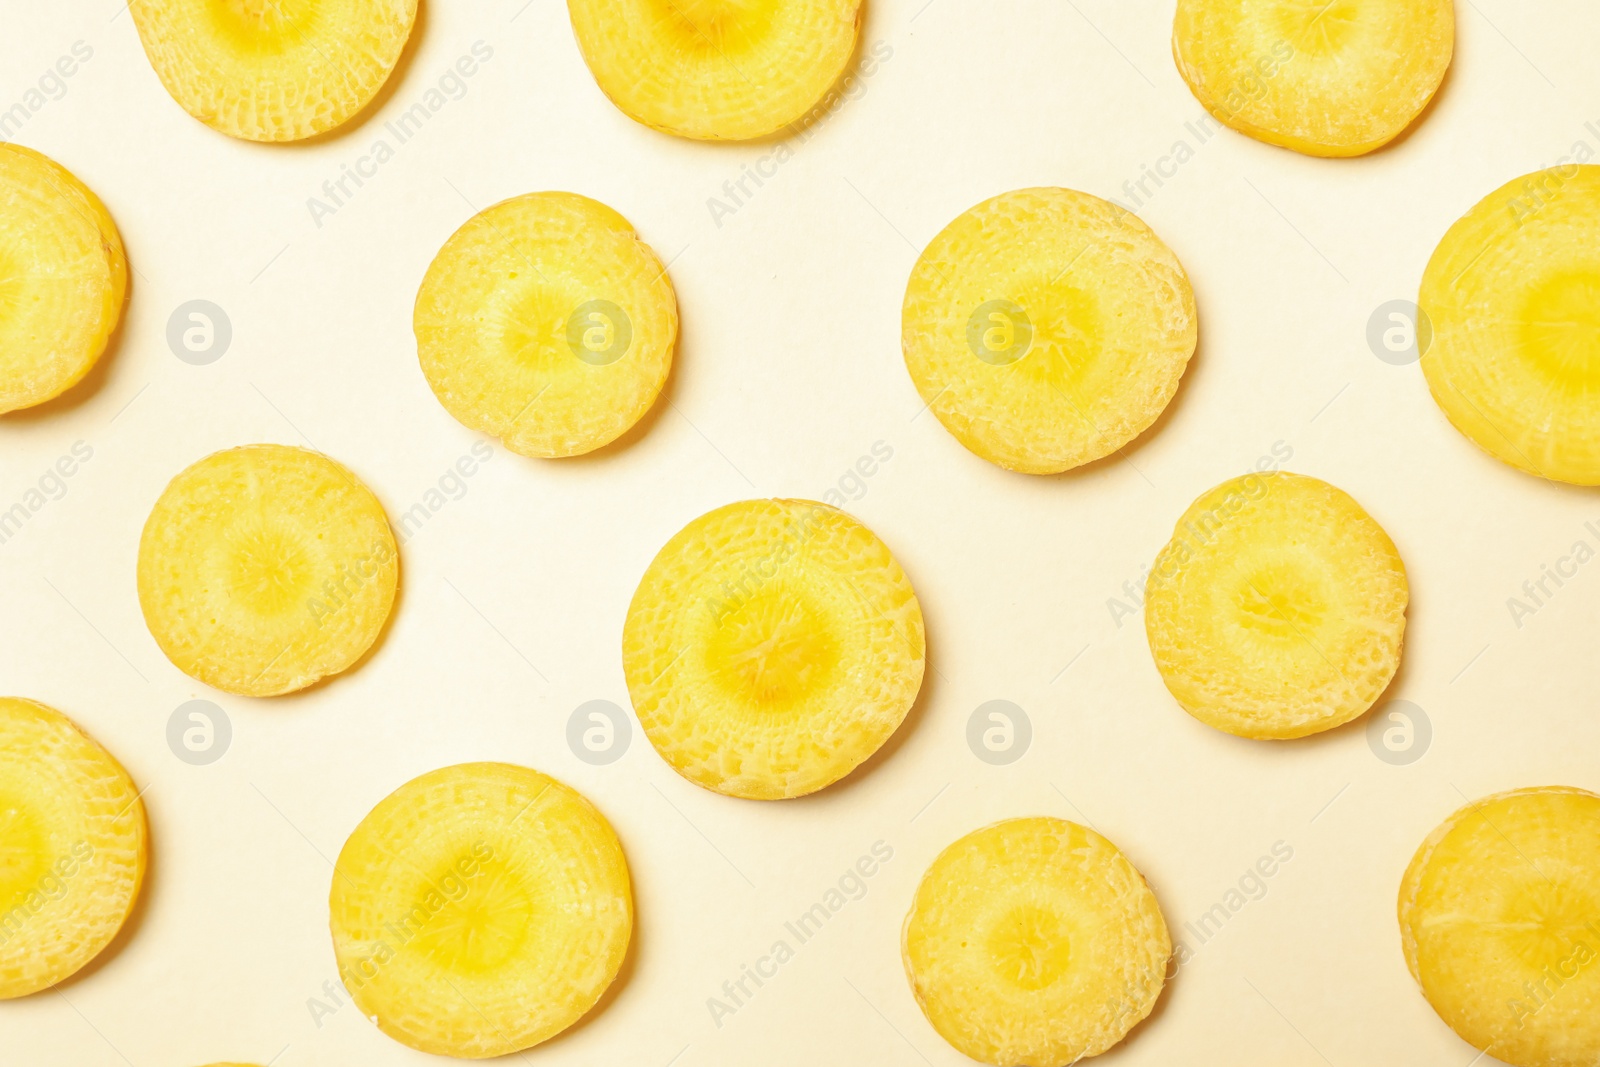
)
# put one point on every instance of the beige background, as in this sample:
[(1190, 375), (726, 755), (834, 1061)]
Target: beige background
[(788, 371)]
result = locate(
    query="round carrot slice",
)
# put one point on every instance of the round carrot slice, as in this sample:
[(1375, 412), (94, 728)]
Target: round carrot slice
[(546, 322), (771, 647), (265, 568), (72, 847), (1500, 922), (1034, 941), (63, 278), (1278, 608), (716, 69), (1047, 328), (480, 909), (273, 70), (1513, 298), (1323, 77)]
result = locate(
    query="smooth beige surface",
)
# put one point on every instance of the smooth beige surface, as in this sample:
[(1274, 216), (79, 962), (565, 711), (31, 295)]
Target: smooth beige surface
[(789, 372)]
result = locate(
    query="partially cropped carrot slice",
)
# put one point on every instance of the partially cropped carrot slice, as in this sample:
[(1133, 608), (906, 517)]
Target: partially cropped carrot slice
[(263, 569), (1047, 328), (771, 647), (72, 847), (1513, 297), (1323, 77), (63, 278), (273, 70), (716, 69), (1035, 941), (1500, 922), (480, 909), (547, 322)]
